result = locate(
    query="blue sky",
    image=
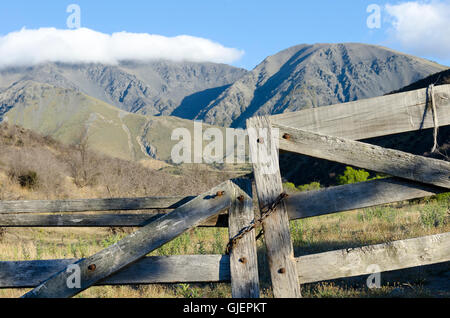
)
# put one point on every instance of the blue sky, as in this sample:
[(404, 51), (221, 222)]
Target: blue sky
[(258, 27)]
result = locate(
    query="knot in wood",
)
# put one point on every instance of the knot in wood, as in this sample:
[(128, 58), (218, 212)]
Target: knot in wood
[(92, 267), (220, 193), (286, 136)]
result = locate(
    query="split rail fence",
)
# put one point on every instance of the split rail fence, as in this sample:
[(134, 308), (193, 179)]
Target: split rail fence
[(330, 133)]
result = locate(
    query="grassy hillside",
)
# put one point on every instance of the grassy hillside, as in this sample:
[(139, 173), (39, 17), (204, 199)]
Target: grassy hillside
[(72, 117), (52, 170)]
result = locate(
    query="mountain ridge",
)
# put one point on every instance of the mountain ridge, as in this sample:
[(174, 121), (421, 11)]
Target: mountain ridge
[(72, 117), (306, 76), (153, 88)]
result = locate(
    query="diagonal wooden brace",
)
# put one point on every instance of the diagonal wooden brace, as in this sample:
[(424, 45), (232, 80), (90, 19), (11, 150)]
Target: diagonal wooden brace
[(135, 246)]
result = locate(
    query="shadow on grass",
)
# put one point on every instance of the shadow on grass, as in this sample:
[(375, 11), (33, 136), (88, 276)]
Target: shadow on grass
[(421, 281)]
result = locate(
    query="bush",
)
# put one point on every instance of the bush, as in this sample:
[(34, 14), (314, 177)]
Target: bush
[(309, 187), (352, 176), (433, 215), (289, 187), (35, 168), (84, 165), (443, 198), (29, 180)]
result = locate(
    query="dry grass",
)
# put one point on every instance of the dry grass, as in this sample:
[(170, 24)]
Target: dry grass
[(314, 235), (78, 172)]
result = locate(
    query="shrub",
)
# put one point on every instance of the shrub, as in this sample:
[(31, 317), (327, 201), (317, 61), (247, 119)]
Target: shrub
[(433, 215), (309, 187), (443, 198), (29, 180), (289, 187), (35, 168), (352, 176), (84, 165)]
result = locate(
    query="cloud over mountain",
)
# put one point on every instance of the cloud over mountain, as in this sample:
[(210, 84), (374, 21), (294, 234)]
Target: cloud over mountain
[(31, 47), (423, 27)]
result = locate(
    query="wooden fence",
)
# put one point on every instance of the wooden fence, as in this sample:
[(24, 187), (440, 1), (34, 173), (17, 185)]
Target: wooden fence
[(328, 133)]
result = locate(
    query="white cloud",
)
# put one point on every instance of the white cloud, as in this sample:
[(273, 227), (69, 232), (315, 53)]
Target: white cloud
[(31, 47), (423, 27)]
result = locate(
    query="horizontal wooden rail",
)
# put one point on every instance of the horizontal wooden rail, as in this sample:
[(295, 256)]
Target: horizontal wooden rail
[(149, 270), (368, 118), (388, 257), (95, 220), (92, 205), (300, 205), (392, 162), (216, 268), (356, 196)]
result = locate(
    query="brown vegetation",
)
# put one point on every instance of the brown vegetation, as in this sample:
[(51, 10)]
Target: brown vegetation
[(36, 167)]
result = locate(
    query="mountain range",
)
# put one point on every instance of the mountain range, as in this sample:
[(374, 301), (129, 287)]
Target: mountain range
[(129, 110), (155, 88), (73, 117), (307, 76)]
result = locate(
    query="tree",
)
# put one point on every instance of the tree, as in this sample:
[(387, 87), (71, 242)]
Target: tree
[(352, 176)]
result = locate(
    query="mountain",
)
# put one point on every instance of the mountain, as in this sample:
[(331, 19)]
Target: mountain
[(440, 78), (299, 77), (123, 109), (71, 117), (306, 76), (154, 88)]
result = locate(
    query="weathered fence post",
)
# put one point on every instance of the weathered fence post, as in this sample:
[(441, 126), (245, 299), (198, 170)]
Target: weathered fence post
[(243, 256), (264, 155)]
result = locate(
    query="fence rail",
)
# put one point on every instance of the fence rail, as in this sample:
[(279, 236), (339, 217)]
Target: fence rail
[(374, 117), (216, 268), (300, 205)]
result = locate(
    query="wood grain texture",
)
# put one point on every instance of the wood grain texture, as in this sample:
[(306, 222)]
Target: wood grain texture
[(94, 220), (380, 116), (137, 245), (392, 162), (92, 205), (264, 154), (243, 256), (388, 256), (149, 270), (300, 205), (356, 196)]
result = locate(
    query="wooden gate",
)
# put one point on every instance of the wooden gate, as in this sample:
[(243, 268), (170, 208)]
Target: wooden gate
[(328, 133)]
